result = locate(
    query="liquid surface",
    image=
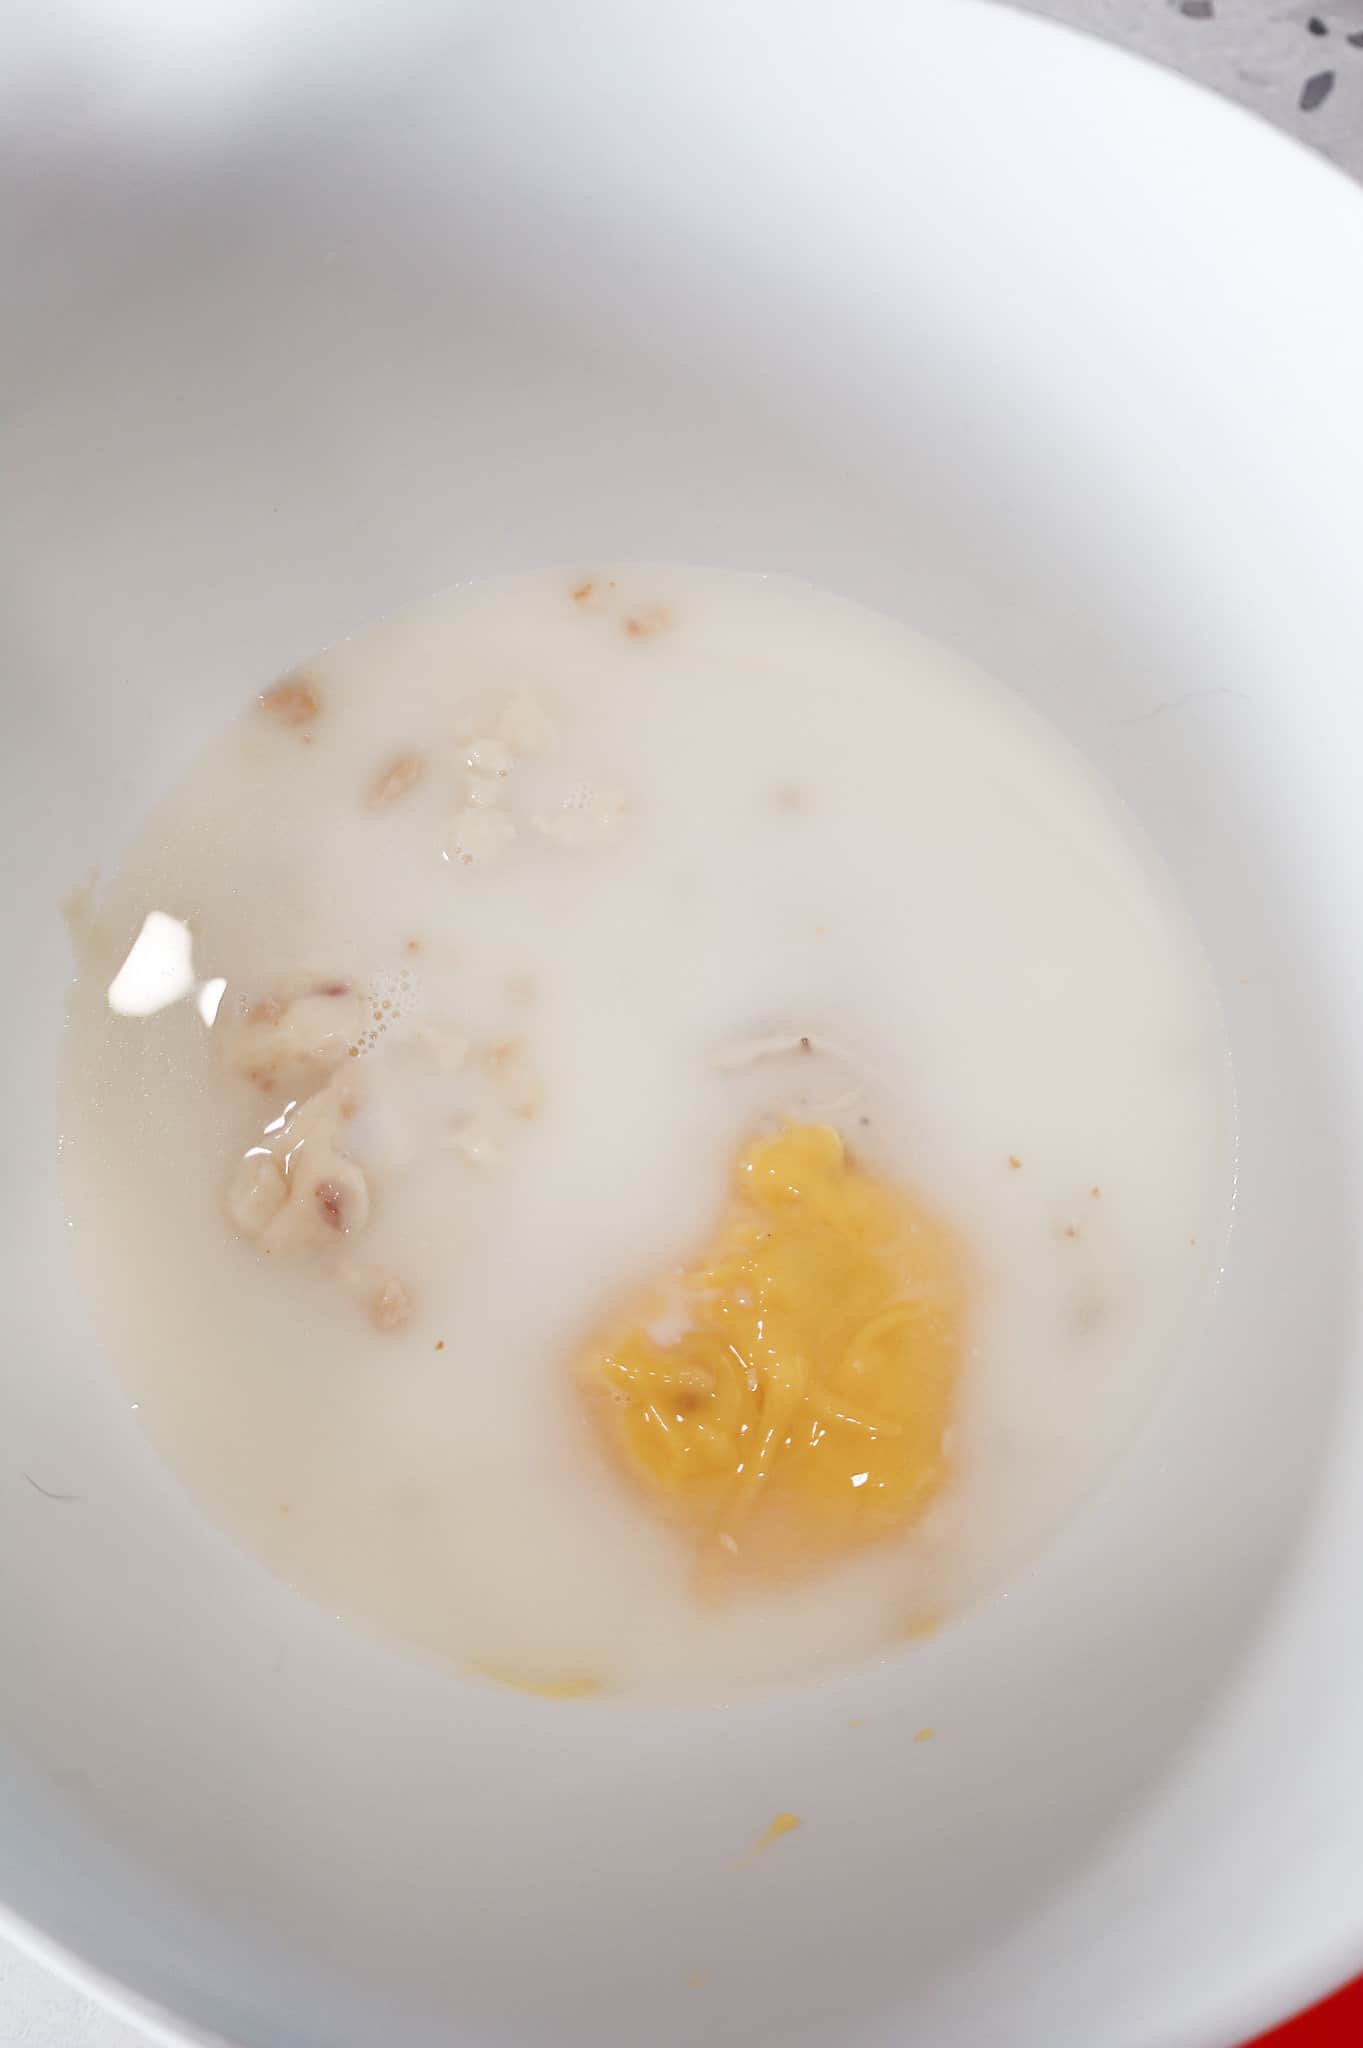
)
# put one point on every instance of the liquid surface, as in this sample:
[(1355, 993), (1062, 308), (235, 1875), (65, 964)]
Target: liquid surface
[(412, 1052)]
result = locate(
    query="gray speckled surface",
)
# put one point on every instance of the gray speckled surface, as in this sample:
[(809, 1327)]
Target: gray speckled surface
[(1301, 67)]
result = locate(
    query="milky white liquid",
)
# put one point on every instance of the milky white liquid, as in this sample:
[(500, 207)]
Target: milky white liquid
[(830, 829)]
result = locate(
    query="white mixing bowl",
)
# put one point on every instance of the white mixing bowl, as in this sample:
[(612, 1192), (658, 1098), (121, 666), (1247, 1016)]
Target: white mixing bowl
[(309, 312)]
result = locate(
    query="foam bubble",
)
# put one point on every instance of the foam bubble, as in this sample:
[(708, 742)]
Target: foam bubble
[(389, 997)]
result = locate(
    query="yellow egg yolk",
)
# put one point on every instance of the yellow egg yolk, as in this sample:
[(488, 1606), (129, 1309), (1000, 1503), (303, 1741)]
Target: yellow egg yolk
[(790, 1394)]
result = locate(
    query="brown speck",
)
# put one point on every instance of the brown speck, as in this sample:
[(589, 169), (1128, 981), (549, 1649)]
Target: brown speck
[(333, 988), (1071, 1230), (331, 1202), (440, 1343), (1095, 1194), (583, 593), (292, 700), (284, 1508), (695, 1980), (1015, 1162), (924, 1734), (790, 798), (856, 1722), (1192, 1240), (413, 946), (641, 625), (394, 781), (922, 1626), (784, 1824), (268, 1010), (806, 1045)]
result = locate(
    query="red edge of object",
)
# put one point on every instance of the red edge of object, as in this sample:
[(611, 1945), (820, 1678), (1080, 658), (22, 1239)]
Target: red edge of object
[(1331, 2025)]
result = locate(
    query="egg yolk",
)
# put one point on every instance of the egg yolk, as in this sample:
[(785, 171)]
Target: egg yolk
[(790, 1394)]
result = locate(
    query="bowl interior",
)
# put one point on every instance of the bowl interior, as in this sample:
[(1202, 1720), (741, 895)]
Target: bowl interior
[(971, 320)]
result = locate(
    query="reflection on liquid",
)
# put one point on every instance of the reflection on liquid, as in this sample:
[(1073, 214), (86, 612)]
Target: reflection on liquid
[(210, 995), (159, 971)]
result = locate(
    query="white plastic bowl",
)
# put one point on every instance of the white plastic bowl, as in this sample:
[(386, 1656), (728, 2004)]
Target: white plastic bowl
[(972, 319)]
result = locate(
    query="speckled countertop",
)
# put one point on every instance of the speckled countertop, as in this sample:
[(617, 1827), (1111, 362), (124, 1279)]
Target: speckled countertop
[(1301, 67)]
